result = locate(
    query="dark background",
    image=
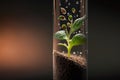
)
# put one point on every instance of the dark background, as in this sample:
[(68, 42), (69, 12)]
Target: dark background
[(104, 40), (104, 30), (26, 39)]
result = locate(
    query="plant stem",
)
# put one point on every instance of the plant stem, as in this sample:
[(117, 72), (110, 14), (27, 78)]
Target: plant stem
[(69, 47), (69, 50)]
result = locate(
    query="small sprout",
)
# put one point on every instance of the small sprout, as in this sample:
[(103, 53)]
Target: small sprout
[(64, 26), (62, 18), (75, 40), (70, 17), (73, 10), (63, 11), (68, 24)]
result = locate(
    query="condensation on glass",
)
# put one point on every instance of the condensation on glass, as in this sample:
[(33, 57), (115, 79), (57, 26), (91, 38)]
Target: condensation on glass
[(81, 10), (76, 8)]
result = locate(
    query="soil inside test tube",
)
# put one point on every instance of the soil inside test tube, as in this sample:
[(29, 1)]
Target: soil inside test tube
[(69, 68)]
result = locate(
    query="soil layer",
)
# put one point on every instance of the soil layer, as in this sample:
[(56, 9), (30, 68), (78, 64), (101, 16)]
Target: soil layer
[(72, 68)]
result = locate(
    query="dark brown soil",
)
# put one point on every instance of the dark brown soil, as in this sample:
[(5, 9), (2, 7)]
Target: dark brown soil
[(69, 68)]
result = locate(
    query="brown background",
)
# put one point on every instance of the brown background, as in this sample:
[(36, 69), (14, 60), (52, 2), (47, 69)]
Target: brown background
[(25, 40)]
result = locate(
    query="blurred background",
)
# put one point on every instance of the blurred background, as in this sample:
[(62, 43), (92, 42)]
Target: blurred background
[(104, 40), (25, 40)]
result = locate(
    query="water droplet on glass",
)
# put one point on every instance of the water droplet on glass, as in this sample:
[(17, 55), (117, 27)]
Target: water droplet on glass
[(77, 15), (77, 2), (58, 24), (79, 31), (81, 1), (80, 53), (82, 6), (73, 32), (69, 3), (66, 7), (74, 52), (59, 4), (83, 23), (66, 0), (86, 32), (68, 14)]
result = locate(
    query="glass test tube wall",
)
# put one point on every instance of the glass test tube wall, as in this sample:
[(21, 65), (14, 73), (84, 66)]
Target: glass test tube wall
[(63, 9), (70, 40)]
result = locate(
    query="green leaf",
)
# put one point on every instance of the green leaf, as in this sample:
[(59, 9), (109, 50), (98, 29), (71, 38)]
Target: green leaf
[(62, 44), (61, 35), (77, 24), (78, 39)]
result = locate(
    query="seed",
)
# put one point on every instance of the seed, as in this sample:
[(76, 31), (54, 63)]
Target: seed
[(63, 11), (70, 17), (62, 18), (73, 10), (64, 26), (68, 24)]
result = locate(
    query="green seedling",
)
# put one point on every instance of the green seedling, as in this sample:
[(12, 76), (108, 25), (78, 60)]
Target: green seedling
[(65, 34)]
